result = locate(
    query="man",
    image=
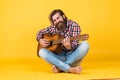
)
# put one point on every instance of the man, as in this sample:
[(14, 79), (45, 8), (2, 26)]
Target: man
[(68, 60)]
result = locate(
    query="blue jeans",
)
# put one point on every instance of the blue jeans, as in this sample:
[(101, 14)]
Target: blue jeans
[(65, 60)]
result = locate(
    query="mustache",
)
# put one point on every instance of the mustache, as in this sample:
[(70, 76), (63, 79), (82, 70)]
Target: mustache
[(59, 22)]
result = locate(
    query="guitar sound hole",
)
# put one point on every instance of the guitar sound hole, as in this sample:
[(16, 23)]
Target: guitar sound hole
[(51, 43)]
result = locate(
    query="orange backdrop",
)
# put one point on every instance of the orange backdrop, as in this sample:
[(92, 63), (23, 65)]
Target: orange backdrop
[(21, 19)]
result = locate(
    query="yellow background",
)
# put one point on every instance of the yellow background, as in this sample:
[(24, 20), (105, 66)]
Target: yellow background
[(20, 20)]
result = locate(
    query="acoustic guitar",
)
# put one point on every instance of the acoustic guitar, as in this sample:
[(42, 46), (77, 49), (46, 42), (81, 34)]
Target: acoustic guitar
[(55, 42)]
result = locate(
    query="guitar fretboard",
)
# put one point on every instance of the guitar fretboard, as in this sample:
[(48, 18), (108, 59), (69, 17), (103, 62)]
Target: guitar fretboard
[(79, 37)]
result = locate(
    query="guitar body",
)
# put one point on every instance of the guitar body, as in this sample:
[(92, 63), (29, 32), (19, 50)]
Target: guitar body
[(56, 48)]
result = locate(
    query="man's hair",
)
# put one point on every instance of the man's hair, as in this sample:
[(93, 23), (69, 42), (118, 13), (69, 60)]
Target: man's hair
[(54, 12)]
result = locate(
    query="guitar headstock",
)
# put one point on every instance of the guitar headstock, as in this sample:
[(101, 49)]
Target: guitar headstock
[(83, 37)]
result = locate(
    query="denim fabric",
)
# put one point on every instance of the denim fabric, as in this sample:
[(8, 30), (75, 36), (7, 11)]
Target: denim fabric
[(65, 60)]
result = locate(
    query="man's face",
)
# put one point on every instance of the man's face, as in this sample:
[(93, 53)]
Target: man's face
[(59, 21)]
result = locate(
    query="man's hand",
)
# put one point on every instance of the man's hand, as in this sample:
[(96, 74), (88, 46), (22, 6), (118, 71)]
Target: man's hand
[(66, 43), (44, 42)]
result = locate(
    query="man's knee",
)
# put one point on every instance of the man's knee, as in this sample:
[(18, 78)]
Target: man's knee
[(85, 44), (84, 47), (42, 53)]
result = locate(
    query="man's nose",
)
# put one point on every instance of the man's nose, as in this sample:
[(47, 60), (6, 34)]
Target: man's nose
[(57, 21)]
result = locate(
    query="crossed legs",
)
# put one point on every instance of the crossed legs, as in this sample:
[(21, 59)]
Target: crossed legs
[(70, 59)]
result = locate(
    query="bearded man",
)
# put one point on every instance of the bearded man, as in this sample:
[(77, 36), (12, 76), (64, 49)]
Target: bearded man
[(72, 53)]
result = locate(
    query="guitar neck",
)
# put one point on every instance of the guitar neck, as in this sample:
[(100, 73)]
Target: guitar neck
[(79, 37)]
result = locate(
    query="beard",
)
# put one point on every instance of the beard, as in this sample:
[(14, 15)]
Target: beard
[(61, 25)]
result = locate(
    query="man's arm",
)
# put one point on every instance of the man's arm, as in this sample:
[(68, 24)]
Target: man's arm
[(42, 32), (75, 32)]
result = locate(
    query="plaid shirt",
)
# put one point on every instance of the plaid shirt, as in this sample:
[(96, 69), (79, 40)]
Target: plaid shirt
[(72, 29)]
